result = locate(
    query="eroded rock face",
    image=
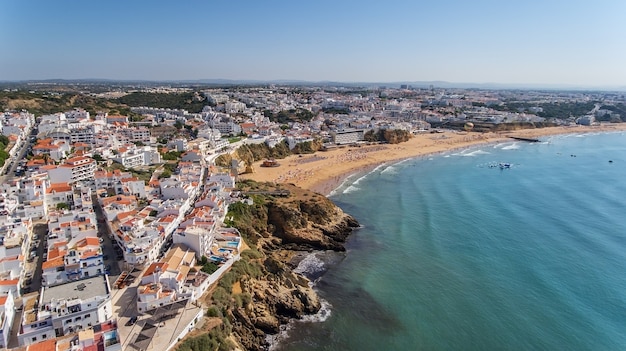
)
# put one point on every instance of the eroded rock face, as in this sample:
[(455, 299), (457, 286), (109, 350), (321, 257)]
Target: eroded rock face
[(311, 225), (274, 302), (281, 226)]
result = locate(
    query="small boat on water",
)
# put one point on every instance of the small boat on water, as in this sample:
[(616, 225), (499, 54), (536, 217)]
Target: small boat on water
[(501, 165), (504, 165)]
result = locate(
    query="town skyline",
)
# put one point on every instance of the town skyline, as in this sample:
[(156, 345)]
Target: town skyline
[(530, 44)]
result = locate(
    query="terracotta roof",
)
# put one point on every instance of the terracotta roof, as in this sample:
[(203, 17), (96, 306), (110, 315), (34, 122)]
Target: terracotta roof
[(131, 179), (3, 300), (53, 263), (153, 267), (9, 282), (123, 215), (46, 345), (47, 167), (78, 159), (88, 241), (89, 253), (55, 252), (59, 187)]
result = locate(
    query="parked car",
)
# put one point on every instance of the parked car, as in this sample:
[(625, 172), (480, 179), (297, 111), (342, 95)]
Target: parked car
[(131, 321)]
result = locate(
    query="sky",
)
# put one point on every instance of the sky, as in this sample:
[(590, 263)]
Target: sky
[(540, 42)]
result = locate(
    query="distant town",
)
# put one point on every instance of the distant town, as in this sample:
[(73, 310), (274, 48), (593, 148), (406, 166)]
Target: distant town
[(114, 202)]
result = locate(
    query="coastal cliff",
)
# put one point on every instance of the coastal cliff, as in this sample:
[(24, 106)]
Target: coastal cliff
[(261, 292)]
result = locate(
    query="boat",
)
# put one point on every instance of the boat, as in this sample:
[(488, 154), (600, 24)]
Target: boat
[(504, 165), (270, 163)]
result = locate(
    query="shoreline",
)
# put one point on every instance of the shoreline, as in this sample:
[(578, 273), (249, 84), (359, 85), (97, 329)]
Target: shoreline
[(325, 171)]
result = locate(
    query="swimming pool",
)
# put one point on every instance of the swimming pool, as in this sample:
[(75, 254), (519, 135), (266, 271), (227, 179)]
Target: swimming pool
[(217, 259)]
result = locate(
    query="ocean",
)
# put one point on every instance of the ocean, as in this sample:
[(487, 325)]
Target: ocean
[(457, 253)]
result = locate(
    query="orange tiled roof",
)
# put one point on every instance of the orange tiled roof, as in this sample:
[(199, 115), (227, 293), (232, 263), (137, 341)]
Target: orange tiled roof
[(53, 263), (123, 215), (55, 252), (88, 241), (153, 267), (59, 187), (47, 167), (46, 345), (89, 253)]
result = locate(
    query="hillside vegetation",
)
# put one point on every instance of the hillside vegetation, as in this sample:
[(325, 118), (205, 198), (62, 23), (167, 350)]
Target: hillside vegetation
[(191, 102), (261, 292), (250, 153), (45, 103)]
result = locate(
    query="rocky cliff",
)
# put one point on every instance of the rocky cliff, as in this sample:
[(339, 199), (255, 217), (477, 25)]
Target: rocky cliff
[(281, 221)]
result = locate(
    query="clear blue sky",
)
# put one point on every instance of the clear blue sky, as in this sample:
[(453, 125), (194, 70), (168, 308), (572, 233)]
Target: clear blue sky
[(521, 42)]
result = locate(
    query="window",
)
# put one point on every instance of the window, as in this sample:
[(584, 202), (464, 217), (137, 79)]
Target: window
[(34, 338), (88, 315), (68, 321), (44, 336)]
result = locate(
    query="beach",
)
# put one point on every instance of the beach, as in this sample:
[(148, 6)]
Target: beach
[(325, 170), (452, 251)]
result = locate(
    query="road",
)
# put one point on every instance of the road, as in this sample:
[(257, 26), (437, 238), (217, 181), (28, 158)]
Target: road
[(107, 243), (21, 155), (40, 230)]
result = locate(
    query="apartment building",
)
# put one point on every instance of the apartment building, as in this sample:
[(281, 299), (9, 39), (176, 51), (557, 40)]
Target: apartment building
[(65, 309), (347, 136), (140, 134), (73, 170)]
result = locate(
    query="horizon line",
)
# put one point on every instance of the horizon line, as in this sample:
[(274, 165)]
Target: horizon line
[(448, 84)]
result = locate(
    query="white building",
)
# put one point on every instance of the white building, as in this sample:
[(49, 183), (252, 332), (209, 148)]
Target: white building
[(198, 239), (67, 308), (347, 136), (7, 314), (164, 282), (73, 170)]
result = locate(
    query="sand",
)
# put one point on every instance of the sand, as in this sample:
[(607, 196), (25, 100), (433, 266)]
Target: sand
[(325, 170)]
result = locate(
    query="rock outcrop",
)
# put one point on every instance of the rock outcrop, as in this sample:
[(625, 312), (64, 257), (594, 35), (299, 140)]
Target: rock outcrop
[(279, 227)]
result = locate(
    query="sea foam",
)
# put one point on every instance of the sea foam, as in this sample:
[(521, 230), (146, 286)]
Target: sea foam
[(513, 146)]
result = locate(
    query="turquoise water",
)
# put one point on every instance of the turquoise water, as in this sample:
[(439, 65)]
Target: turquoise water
[(457, 255)]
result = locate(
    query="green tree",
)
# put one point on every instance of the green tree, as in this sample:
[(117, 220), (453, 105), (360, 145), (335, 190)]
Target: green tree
[(165, 174)]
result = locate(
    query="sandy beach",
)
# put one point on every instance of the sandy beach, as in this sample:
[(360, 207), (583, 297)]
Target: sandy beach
[(325, 170)]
